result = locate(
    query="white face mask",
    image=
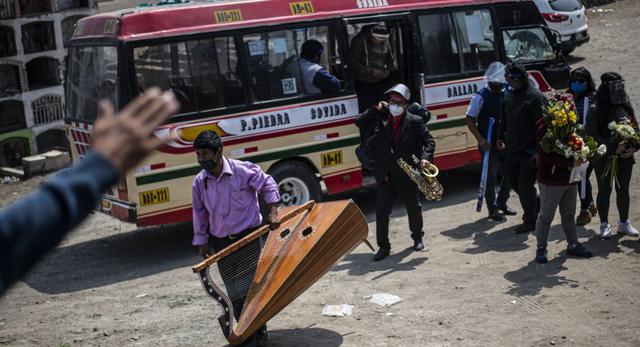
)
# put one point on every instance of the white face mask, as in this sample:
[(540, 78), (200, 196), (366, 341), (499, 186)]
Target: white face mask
[(396, 110)]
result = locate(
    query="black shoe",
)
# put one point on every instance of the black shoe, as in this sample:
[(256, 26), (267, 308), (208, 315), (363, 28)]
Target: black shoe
[(496, 216), (418, 246), (578, 250), (541, 255), (508, 211), (381, 254), (524, 228)]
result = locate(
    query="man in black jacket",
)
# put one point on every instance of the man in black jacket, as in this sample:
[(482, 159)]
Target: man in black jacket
[(398, 134), (516, 135)]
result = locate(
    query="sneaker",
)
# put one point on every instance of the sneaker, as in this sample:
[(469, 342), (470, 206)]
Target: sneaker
[(625, 228), (507, 211), (381, 254), (583, 218), (496, 216), (418, 246), (578, 250), (605, 230), (524, 228), (593, 209), (541, 255)]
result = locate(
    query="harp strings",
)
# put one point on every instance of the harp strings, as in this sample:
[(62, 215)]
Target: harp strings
[(235, 272)]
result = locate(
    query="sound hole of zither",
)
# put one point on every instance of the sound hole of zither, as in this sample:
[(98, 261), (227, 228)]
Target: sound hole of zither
[(307, 231), (284, 233)]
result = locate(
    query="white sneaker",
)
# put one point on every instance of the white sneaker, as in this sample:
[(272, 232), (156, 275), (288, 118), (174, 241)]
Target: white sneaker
[(605, 231), (625, 228)]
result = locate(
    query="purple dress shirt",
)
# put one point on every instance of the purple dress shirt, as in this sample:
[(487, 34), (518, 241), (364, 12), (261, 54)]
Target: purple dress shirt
[(228, 204)]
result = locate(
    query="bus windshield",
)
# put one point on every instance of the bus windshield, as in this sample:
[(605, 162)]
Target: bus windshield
[(92, 76), (527, 45)]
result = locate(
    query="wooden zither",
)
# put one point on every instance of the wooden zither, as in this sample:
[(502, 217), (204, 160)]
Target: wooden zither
[(271, 268)]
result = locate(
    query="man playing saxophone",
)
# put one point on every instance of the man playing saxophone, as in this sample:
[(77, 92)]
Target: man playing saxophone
[(398, 134)]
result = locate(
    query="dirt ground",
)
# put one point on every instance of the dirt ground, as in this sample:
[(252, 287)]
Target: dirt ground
[(109, 284)]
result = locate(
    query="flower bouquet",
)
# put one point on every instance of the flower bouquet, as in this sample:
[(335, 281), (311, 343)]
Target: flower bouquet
[(623, 131), (566, 137)]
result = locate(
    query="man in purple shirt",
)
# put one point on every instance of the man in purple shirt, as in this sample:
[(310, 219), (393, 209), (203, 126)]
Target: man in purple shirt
[(225, 209)]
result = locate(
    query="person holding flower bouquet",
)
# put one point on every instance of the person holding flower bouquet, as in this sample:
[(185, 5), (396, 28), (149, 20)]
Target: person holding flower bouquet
[(583, 89), (612, 122), (561, 155)]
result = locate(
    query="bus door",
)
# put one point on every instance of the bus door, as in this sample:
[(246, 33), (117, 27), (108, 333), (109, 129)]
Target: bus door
[(401, 56)]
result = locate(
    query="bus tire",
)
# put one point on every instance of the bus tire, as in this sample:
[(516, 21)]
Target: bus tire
[(297, 183)]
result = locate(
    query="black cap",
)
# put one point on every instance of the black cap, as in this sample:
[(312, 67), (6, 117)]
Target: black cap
[(515, 70)]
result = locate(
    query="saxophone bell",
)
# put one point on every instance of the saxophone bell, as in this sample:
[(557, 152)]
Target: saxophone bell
[(425, 179)]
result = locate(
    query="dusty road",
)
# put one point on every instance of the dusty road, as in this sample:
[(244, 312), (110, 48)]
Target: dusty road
[(111, 285)]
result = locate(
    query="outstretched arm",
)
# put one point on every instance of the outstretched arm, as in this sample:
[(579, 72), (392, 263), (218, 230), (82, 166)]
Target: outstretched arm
[(34, 225)]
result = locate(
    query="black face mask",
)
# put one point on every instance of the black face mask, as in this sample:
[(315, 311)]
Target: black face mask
[(209, 164)]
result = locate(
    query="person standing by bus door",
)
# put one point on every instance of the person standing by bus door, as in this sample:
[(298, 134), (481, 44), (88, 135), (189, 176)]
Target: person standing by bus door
[(373, 64), (485, 104), (398, 134), (516, 134)]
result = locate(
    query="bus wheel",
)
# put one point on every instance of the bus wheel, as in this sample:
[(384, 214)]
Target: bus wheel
[(296, 182)]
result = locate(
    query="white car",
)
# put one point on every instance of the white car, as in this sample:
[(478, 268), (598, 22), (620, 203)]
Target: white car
[(569, 18)]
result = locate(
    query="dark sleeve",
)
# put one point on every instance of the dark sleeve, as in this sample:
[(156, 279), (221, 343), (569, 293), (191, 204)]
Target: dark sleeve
[(502, 124), (32, 226), (536, 107), (594, 129), (327, 82), (428, 143), (367, 118)]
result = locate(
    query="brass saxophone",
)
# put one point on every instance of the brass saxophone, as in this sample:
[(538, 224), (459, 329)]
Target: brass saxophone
[(426, 180)]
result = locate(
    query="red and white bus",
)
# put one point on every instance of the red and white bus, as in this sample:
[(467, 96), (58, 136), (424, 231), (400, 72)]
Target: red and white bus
[(226, 62)]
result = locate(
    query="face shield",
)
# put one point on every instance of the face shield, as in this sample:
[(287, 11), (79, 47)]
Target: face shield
[(617, 93), (495, 73)]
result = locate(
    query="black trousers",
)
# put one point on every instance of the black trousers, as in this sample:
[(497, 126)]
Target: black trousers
[(385, 196), (522, 177), (588, 195), (625, 169), (238, 268), (496, 168)]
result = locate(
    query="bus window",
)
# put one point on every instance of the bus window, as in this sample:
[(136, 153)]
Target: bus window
[(216, 79), (476, 39), (461, 42), (273, 57), (91, 77), (439, 44), (166, 66), (527, 45)]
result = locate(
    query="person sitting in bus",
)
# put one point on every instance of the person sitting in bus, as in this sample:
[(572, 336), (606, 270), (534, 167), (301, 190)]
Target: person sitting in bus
[(373, 64), (315, 78)]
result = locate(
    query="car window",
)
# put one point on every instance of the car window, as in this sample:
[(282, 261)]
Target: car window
[(565, 5), (527, 45)]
